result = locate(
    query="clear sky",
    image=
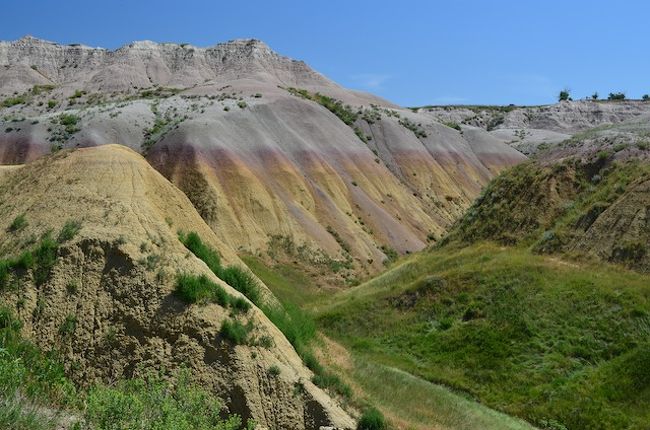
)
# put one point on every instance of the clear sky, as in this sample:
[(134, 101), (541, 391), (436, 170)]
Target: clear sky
[(410, 52)]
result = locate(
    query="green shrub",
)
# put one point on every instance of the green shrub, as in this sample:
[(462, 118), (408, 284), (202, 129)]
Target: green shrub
[(68, 326), (240, 304), (564, 96), (200, 289), (242, 281), (235, 331), (645, 97), (372, 419), (453, 125), (51, 104), (18, 223), (330, 381), (391, 254), (69, 230), (274, 370), (210, 257), (13, 101), (44, 258), (68, 119), (616, 96)]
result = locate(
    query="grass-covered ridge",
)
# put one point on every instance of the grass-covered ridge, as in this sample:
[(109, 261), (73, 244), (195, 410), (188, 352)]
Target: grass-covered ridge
[(563, 345)]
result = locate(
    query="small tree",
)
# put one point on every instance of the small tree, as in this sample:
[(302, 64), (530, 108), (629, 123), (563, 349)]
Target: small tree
[(564, 95), (594, 96), (646, 98), (616, 96)]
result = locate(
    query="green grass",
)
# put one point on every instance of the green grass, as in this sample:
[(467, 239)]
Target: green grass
[(39, 260), (193, 242), (372, 419), (200, 289), (69, 231), (294, 290), (421, 404), (287, 283), (235, 276), (405, 399), (522, 333), (18, 223), (235, 331)]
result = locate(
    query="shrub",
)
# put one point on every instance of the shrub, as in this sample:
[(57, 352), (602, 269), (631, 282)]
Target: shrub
[(18, 223), (372, 419), (44, 259), (235, 276), (595, 96), (68, 326), (242, 105), (235, 331), (645, 97), (266, 342), (68, 119), (240, 304), (193, 242), (13, 101), (274, 370), (564, 95), (69, 230), (453, 125), (327, 380), (200, 289), (242, 281), (616, 96), (51, 104), (391, 254)]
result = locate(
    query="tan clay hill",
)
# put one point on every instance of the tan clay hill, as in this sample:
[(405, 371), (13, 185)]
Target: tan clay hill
[(270, 167), (115, 279)]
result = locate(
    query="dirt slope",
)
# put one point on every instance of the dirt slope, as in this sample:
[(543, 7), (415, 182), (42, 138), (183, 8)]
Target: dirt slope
[(107, 302)]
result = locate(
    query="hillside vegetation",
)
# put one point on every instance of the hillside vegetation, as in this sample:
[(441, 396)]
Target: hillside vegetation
[(536, 304), (596, 209), (562, 345)]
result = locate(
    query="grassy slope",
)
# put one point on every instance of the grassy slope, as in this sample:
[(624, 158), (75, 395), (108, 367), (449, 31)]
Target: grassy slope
[(408, 401), (557, 343)]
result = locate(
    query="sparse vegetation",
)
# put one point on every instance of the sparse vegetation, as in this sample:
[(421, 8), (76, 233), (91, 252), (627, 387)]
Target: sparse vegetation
[(453, 125), (235, 331), (69, 231), (35, 389), (18, 223), (200, 289), (616, 96), (415, 128)]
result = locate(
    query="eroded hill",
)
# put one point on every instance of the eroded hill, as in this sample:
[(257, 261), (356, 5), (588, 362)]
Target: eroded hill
[(92, 266), (277, 158)]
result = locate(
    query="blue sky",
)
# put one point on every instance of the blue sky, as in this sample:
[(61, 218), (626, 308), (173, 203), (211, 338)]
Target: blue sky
[(410, 52)]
